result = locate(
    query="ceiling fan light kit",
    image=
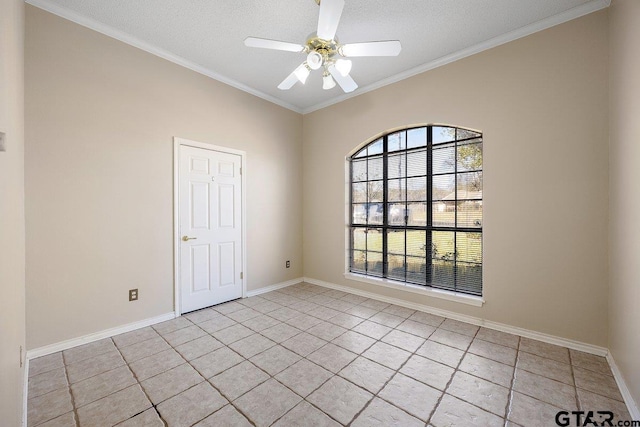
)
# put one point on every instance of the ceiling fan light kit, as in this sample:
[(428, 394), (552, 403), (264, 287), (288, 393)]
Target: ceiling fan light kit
[(344, 66), (314, 60), (322, 48), (327, 81), (302, 72)]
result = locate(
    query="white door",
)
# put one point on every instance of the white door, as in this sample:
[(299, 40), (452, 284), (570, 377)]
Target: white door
[(210, 221)]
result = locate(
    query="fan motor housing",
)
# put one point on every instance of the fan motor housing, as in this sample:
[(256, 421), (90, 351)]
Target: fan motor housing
[(326, 48)]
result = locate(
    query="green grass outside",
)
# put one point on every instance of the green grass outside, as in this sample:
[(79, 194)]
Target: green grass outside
[(468, 245)]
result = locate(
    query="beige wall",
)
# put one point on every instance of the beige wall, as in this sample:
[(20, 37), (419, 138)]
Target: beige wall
[(101, 116), (100, 119), (541, 102), (624, 190), (12, 234)]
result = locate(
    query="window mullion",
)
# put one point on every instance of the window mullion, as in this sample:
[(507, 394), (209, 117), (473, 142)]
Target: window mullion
[(403, 177), (455, 213), (351, 227), (366, 218), (429, 242), (385, 207)]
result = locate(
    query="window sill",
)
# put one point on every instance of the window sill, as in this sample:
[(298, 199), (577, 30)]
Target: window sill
[(434, 293)]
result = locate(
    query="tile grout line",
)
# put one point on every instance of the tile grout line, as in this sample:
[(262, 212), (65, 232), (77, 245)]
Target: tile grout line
[(303, 358), (455, 370), (135, 377), (374, 395), (288, 301), (93, 357), (270, 376), (205, 379), (378, 340), (518, 351), (208, 380), (174, 348), (549, 378), (303, 399), (397, 371), (73, 400), (392, 329), (575, 385), (511, 390), (153, 405), (526, 370), (406, 318), (69, 384), (236, 407)]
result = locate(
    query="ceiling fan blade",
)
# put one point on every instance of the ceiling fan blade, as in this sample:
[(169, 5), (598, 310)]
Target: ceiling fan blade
[(292, 78), (288, 82), (383, 48), (346, 82), (330, 12), (272, 44)]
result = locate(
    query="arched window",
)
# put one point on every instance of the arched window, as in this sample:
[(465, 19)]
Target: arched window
[(416, 208)]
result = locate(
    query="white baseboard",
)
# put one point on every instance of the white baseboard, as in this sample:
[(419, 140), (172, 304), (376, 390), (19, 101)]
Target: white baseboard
[(275, 287), (576, 345), (624, 390), (64, 345), (632, 406), (551, 339)]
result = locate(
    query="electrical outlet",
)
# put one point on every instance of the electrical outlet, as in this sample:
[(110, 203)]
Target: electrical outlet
[(133, 294), (288, 263)]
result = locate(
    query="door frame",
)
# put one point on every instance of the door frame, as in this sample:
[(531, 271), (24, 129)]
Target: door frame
[(177, 143)]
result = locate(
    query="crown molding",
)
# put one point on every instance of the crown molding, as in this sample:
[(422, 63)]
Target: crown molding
[(107, 30), (568, 15)]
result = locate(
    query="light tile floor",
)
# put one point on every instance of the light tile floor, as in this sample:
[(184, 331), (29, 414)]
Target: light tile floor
[(311, 356)]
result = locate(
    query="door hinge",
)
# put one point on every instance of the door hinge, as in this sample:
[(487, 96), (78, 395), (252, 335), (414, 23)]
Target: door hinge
[(242, 275)]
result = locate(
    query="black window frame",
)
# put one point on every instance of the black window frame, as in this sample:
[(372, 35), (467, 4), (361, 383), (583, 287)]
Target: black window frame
[(465, 283)]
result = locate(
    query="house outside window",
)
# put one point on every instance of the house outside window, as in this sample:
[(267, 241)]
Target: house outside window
[(416, 209)]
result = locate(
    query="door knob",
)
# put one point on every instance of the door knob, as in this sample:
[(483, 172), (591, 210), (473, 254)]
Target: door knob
[(186, 238)]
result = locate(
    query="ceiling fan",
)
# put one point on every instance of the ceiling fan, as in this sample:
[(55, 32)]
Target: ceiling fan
[(324, 51)]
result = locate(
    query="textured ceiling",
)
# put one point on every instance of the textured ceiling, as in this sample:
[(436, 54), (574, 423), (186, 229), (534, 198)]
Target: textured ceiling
[(208, 36)]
